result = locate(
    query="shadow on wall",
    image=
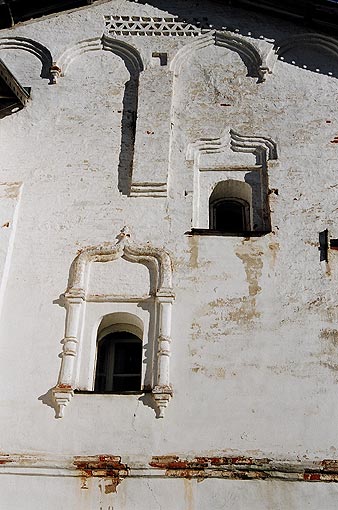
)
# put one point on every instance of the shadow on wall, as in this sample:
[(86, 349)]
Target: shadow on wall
[(295, 43), (128, 128)]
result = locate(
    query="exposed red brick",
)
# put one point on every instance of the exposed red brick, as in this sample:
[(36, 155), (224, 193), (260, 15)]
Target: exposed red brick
[(312, 476), (103, 466), (330, 466)]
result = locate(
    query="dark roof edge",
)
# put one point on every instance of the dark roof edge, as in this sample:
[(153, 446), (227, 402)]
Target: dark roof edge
[(321, 14), (16, 11), (316, 14)]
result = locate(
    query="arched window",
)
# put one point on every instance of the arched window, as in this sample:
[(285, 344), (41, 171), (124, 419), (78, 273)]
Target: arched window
[(230, 207), (119, 355)]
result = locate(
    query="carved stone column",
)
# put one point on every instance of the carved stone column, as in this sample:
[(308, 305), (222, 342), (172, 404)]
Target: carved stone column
[(162, 390), (64, 390)]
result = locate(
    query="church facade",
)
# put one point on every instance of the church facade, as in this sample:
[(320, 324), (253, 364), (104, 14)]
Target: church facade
[(169, 260)]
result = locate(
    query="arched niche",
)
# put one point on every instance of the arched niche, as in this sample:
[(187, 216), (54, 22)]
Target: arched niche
[(230, 206), (249, 54), (134, 66), (23, 44)]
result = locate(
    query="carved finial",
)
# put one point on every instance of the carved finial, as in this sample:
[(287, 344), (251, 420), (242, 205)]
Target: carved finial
[(162, 395), (124, 235), (55, 73), (62, 396)]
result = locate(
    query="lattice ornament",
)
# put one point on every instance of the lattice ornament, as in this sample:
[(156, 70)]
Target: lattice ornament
[(149, 26)]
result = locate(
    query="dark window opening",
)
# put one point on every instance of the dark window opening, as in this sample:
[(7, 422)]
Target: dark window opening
[(119, 363), (230, 215)]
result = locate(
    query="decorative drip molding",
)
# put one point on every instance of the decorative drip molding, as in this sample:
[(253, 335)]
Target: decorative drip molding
[(76, 296), (257, 65), (146, 189), (263, 148), (149, 26), (37, 49), (257, 145)]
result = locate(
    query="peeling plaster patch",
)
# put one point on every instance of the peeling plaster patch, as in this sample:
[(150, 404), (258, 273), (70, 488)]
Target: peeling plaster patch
[(331, 335), (11, 189), (246, 468), (193, 242), (245, 312), (211, 372), (253, 263), (273, 250)]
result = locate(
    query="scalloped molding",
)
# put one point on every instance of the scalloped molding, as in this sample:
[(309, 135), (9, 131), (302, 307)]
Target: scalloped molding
[(76, 296), (37, 49), (264, 149)]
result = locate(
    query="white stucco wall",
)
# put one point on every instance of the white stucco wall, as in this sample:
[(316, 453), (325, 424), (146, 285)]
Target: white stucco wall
[(253, 355)]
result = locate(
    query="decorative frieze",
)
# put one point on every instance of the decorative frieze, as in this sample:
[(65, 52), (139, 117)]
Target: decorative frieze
[(149, 26)]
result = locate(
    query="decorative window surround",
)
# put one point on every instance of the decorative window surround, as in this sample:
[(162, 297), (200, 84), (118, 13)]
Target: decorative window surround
[(262, 148), (76, 297)]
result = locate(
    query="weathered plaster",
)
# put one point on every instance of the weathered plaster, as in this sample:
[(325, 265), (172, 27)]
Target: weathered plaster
[(253, 367)]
